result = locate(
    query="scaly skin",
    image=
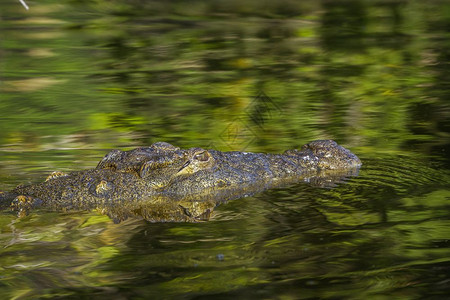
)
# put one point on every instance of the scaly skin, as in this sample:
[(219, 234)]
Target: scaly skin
[(165, 183)]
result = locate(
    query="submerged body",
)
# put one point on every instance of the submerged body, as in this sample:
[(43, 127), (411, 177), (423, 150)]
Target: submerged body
[(165, 183)]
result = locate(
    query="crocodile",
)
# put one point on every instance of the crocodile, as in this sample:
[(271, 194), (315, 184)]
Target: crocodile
[(165, 183)]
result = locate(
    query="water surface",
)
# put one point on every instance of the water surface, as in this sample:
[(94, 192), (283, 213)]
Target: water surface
[(80, 78)]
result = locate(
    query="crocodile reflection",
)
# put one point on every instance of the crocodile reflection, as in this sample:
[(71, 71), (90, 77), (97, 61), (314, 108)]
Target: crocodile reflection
[(163, 183)]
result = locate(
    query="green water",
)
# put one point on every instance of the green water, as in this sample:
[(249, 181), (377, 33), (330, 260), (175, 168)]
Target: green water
[(78, 78)]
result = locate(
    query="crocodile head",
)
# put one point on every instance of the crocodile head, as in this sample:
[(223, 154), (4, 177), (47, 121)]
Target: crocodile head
[(163, 182), (159, 164)]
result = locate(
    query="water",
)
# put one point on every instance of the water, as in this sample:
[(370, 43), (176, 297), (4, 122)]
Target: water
[(79, 79)]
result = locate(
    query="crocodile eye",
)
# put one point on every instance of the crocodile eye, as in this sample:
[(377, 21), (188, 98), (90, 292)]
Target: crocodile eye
[(203, 156)]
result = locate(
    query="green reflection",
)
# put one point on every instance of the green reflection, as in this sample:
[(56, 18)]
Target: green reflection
[(358, 73), (81, 77)]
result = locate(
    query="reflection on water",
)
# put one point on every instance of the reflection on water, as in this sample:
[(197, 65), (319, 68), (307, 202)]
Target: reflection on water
[(78, 80), (140, 73), (377, 234)]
